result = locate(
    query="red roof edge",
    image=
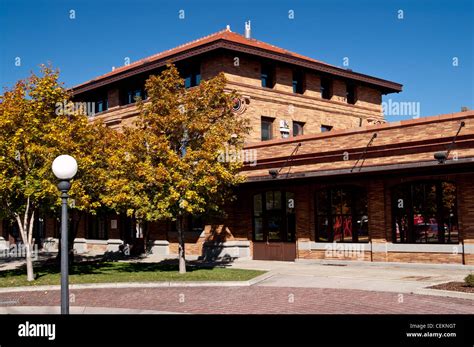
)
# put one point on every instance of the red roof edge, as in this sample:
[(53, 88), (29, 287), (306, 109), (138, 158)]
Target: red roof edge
[(233, 40)]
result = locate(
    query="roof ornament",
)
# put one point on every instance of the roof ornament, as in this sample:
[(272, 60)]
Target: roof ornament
[(227, 28), (248, 30)]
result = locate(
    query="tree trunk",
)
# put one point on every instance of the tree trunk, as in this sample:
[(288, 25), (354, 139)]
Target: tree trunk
[(30, 276), (26, 232), (138, 235), (181, 253), (76, 219)]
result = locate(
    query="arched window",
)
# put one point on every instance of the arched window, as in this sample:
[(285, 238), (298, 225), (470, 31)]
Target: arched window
[(425, 212), (274, 216), (341, 215)]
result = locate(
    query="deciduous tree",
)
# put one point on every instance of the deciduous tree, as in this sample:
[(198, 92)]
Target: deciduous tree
[(33, 131), (171, 155)]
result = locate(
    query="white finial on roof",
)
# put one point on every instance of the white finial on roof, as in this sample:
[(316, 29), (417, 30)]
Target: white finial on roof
[(113, 68), (248, 30), (227, 28)]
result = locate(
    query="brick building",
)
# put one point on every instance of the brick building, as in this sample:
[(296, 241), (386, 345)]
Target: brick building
[(332, 179)]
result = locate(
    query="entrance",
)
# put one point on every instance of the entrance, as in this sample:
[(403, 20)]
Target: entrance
[(274, 225)]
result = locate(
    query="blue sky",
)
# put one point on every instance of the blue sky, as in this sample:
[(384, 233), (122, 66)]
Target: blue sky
[(416, 51)]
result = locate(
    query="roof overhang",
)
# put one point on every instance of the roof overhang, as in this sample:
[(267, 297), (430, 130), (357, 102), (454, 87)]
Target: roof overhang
[(431, 167), (147, 66)]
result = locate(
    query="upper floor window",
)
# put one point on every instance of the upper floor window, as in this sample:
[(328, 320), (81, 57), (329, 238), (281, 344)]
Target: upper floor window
[(192, 80), (351, 93), (341, 215), (192, 76), (101, 105), (298, 128), (133, 95), (326, 88), (298, 82), (325, 128), (267, 128), (425, 212), (268, 76)]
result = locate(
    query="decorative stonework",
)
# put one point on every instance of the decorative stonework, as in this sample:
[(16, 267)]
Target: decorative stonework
[(372, 121), (240, 105)]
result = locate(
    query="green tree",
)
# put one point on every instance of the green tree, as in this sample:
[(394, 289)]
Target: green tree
[(35, 129), (172, 167)]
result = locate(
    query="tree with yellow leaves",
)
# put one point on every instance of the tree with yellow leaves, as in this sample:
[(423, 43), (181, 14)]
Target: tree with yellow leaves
[(34, 131), (171, 157)]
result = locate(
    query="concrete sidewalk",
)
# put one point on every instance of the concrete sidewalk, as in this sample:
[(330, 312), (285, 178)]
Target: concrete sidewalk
[(377, 277), (383, 277)]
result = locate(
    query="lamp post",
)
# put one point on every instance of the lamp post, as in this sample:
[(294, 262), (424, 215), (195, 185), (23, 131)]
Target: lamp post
[(64, 168)]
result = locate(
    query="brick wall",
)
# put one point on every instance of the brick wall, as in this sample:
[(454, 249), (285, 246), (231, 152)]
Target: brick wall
[(243, 75), (411, 141), (113, 96), (376, 210), (282, 104), (465, 192)]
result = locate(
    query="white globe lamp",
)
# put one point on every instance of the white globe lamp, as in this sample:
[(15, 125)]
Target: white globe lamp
[(64, 167)]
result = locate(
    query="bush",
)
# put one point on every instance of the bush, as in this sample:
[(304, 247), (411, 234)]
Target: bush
[(469, 280)]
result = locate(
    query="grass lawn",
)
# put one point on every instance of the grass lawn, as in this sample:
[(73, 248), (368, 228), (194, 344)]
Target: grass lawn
[(111, 272)]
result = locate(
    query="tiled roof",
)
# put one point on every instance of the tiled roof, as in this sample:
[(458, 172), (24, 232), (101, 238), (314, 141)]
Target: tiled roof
[(223, 36)]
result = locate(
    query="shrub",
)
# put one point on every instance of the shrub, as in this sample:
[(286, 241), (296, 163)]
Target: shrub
[(469, 280)]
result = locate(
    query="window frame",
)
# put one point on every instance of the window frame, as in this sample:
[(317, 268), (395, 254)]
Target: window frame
[(301, 125), (410, 214), (326, 91), (298, 82), (271, 122), (351, 93), (94, 224), (327, 127), (104, 101), (267, 70), (131, 94), (354, 191), (191, 73)]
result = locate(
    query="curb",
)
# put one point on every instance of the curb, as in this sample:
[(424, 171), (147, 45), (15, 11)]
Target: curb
[(164, 284), (444, 293), (385, 264)]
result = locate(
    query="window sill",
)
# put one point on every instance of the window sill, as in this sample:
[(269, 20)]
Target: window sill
[(385, 247), (453, 248)]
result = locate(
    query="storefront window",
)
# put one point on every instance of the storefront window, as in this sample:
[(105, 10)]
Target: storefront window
[(97, 228), (341, 215), (425, 212)]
